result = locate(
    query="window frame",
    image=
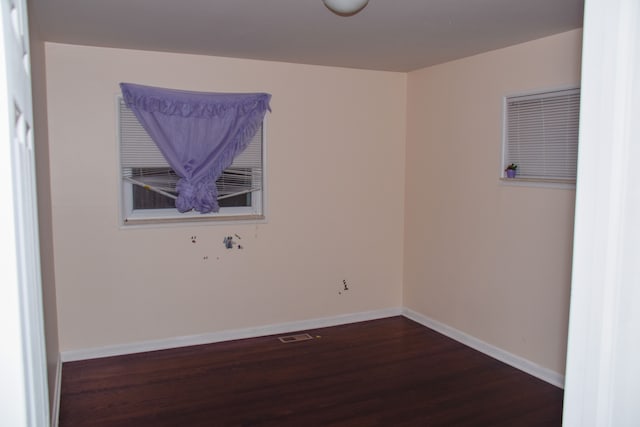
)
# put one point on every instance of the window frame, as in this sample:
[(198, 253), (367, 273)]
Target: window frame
[(552, 182), (129, 217)]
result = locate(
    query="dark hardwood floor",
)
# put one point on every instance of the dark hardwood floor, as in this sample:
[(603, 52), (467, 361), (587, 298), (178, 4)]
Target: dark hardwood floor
[(390, 372)]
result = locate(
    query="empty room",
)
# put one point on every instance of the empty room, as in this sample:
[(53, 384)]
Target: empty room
[(323, 213)]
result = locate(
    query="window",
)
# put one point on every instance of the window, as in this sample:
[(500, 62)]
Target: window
[(149, 183), (541, 135)]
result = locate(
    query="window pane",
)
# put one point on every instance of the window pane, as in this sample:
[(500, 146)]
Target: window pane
[(150, 184), (542, 134), (236, 201), (147, 199), (159, 180)]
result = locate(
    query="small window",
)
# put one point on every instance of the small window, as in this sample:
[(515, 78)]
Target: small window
[(149, 184), (541, 136)]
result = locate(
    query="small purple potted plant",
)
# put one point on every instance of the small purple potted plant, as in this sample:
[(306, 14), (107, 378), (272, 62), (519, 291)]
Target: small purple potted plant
[(511, 170)]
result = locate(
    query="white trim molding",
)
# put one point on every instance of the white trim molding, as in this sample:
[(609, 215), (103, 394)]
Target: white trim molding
[(57, 390), (235, 334), (283, 328), (517, 362)]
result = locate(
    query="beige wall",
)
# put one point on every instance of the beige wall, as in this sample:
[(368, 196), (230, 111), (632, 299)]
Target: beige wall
[(336, 157), (489, 259), (49, 305)]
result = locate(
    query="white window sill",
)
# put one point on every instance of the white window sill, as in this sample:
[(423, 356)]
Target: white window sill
[(541, 183), (132, 223)]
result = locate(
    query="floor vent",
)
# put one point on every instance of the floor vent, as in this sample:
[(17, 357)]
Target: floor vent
[(295, 338)]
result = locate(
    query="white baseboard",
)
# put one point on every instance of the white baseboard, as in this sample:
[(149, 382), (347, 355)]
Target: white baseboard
[(517, 362), (209, 338), (55, 405)]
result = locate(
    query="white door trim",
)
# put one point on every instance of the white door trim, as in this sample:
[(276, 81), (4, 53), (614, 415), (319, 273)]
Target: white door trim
[(602, 376), (24, 397)]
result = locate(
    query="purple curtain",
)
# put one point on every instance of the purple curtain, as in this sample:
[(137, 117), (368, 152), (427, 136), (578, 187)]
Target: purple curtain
[(198, 133)]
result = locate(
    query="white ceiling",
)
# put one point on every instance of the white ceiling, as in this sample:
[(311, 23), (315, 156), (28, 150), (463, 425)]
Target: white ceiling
[(394, 35)]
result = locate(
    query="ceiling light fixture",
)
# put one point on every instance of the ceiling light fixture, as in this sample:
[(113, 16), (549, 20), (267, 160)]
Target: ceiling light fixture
[(345, 7)]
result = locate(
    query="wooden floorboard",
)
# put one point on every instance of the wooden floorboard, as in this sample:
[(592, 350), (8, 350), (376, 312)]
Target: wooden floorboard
[(389, 372)]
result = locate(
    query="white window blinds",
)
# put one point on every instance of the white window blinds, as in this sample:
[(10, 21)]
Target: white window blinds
[(542, 135), (143, 164)]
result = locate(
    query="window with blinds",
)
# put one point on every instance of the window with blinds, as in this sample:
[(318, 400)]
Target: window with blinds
[(541, 135), (149, 183)]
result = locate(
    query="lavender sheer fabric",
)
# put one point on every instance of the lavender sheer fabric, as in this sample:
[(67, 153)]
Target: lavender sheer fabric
[(198, 133)]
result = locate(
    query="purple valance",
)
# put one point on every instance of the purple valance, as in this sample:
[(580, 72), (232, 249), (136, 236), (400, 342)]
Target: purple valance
[(198, 133)]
